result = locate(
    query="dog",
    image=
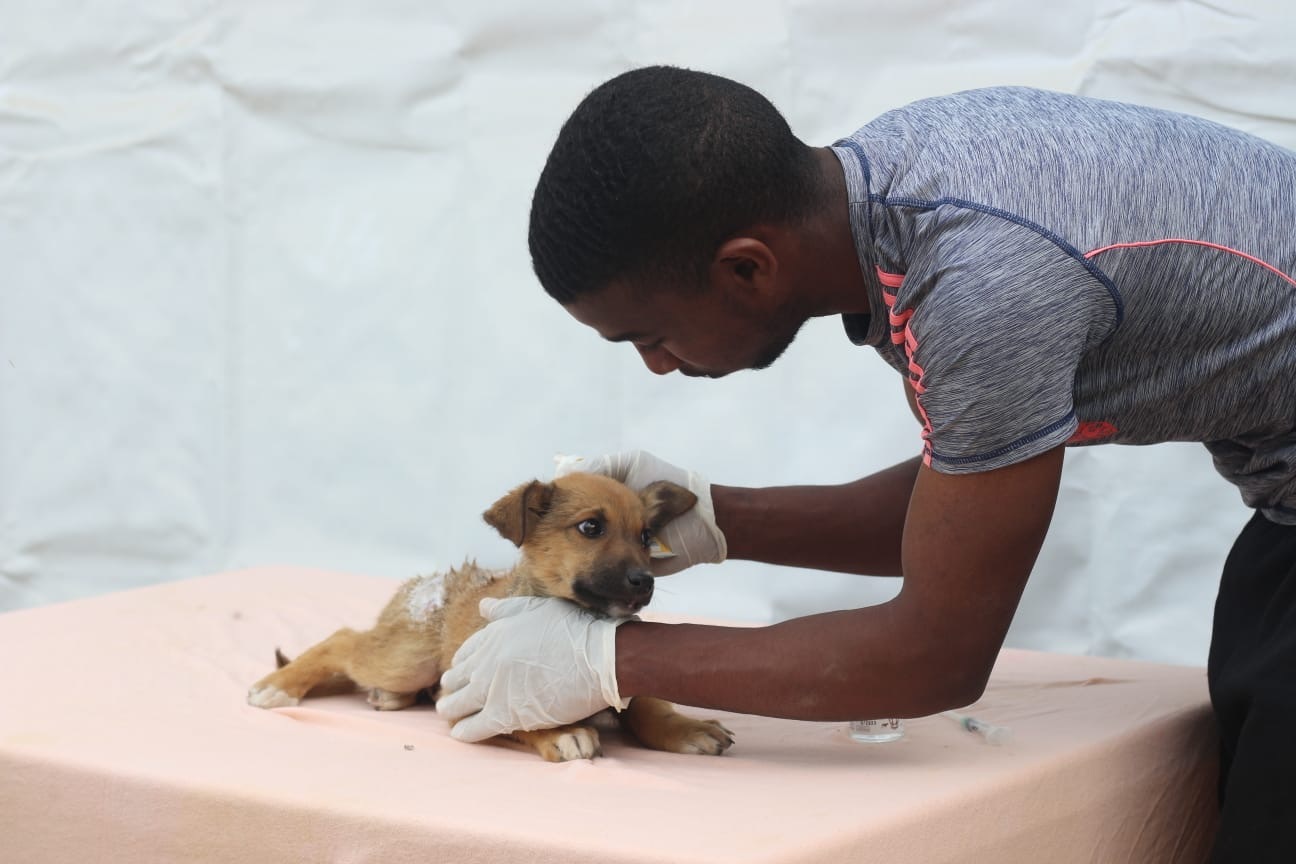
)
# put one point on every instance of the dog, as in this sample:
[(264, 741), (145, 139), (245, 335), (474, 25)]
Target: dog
[(584, 538)]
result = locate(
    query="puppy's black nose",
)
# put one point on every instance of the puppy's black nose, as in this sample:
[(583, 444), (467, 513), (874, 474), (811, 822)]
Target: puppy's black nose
[(641, 579)]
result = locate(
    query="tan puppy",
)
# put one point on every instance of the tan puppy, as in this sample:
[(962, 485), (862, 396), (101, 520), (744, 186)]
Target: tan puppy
[(584, 538)]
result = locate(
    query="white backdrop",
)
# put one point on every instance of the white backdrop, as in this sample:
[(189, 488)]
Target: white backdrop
[(265, 294)]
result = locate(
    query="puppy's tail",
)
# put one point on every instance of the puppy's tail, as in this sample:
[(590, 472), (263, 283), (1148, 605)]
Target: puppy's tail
[(281, 660)]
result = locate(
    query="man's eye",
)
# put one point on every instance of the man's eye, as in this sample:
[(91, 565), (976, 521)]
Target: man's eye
[(646, 538), (591, 528)]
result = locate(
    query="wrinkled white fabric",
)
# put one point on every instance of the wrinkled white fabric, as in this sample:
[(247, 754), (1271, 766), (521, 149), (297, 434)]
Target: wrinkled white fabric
[(540, 662), (266, 293), (693, 538)]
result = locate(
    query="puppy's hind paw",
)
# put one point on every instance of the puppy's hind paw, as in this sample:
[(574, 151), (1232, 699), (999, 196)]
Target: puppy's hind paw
[(386, 700), (270, 696)]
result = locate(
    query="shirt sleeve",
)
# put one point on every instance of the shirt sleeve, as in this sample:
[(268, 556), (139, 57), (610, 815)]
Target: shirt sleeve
[(992, 320)]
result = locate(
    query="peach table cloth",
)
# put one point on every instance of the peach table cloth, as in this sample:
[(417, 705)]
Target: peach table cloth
[(124, 737)]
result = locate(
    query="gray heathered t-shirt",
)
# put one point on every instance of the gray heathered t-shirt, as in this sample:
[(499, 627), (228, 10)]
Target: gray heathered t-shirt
[(1052, 269)]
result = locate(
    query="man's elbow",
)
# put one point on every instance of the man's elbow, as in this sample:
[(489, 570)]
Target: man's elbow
[(951, 683), (964, 691)]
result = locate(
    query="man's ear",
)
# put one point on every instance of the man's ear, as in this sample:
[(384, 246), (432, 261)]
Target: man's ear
[(516, 514), (746, 267), (664, 501)]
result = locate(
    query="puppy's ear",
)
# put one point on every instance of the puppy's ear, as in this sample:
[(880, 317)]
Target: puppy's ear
[(664, 501), (516, 514)]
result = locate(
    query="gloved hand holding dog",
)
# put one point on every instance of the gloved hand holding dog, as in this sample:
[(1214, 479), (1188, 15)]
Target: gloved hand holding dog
[(541, 662), (544, 662), (694, 538)]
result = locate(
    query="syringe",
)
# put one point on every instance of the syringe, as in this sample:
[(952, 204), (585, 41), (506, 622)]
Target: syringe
[(991, 733)]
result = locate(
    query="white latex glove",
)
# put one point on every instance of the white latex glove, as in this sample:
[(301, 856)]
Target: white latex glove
[(539, 662), (694, 537)]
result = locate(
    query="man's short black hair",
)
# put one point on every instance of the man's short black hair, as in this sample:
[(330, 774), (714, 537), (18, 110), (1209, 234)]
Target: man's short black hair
[(653, 171)]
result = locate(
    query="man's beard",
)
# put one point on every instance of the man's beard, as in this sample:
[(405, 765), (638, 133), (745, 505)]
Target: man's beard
[(778, 343)]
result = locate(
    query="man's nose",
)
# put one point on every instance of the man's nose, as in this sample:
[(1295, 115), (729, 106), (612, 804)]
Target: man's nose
[(658, 360)]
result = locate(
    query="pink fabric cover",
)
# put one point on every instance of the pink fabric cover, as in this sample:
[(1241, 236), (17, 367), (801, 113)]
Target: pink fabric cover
[(124, 736)]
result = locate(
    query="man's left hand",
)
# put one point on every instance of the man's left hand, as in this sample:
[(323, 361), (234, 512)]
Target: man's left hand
[(539, 662)]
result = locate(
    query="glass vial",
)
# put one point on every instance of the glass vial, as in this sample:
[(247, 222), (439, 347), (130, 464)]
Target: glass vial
[(877, 731)]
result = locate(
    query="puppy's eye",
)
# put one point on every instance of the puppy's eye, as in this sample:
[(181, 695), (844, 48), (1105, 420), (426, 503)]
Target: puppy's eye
[(591, 528), (646, 538)]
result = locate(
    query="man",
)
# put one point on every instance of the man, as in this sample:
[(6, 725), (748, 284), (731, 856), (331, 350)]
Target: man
[(1043, 271)]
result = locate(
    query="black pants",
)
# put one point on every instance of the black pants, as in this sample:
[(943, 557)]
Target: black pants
[(1252, 675)]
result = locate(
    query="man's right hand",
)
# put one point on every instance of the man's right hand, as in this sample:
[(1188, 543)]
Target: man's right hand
[(693, 537)]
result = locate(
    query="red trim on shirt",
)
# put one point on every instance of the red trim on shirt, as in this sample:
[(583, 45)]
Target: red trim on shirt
[(1092, 430), (1139, 244)]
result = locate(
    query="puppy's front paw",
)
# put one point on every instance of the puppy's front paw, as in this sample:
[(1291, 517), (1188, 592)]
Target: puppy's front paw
[(702, 737), (579, 743), (270, 696), (564, 743)]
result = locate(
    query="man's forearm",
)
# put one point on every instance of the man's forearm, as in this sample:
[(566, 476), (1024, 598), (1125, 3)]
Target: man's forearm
[(929, 649), (852, 528), (829, 667)]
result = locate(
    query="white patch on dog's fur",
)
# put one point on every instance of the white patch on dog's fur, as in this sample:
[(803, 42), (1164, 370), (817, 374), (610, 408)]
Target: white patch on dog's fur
[(425, 595)]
